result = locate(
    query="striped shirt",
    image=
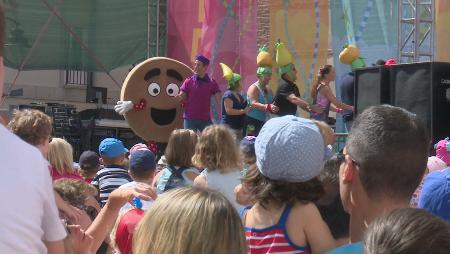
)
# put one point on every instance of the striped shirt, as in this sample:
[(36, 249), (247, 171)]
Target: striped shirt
[(109, 179), (273, 239)]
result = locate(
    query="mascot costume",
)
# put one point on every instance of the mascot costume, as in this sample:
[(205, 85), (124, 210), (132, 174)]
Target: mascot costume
[(148, 103)]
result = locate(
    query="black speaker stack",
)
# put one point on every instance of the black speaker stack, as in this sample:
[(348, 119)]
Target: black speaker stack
[(421, 88), (66, 124)]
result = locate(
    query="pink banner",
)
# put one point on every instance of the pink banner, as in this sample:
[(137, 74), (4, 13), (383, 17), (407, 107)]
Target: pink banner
[(229, 36), (224, 31)]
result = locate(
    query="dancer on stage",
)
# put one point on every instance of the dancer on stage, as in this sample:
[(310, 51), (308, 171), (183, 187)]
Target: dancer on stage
[(288, 96), (196, 93), (234, 106), (259, 95), (324, 96), (350, 55)]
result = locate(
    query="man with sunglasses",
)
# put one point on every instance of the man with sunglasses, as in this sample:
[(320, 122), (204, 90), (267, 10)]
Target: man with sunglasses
[(384, 160)]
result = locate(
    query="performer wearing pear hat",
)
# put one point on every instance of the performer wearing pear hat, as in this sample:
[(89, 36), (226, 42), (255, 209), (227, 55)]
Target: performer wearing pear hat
[(259, 95), (287, 97), (234, 106), (196, 93), (350, 55)]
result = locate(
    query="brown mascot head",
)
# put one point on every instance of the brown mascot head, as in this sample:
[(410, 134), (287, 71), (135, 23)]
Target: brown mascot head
[(152, 86)]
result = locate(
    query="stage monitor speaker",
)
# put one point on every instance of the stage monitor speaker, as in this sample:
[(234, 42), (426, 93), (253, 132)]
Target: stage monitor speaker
[(424, 89), (371, 87)]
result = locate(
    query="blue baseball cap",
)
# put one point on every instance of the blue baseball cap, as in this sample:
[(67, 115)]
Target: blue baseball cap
[(435, 194), (142, 160), (111, 147)]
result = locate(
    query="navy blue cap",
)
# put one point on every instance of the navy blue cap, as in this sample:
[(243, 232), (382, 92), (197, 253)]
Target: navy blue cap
[(142, 160), (248, 145)]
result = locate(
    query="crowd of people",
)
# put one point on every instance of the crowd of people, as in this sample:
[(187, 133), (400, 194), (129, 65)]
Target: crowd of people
[(261, 181)]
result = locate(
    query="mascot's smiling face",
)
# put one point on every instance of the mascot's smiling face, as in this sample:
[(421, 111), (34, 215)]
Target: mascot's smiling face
[(156, 81)]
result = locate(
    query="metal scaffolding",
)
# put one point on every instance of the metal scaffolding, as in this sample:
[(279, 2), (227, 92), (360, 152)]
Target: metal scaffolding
[(415, 31)]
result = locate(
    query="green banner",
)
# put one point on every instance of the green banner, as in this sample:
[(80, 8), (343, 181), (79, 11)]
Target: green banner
[(87, 35)]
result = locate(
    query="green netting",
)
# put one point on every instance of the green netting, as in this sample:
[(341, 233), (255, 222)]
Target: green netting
[(115, 31)]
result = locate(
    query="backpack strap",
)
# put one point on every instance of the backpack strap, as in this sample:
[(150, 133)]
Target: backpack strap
[(178, 172)]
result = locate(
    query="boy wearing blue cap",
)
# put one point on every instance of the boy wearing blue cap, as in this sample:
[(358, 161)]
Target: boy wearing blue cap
[(113, 175)]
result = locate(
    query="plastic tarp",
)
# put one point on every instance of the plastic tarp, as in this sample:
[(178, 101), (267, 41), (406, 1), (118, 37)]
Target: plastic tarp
[(49, 34)]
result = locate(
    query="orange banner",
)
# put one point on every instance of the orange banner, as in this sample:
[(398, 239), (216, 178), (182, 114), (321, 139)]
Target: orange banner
[(303, 26)]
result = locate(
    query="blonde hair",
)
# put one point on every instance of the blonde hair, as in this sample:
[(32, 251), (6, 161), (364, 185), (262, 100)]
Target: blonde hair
[(60, 155), (181, 148), (326, 131), (190, 220), (217, 150)]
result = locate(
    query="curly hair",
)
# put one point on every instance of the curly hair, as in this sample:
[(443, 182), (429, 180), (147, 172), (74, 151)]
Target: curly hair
[(267, 191), (217, 150), (32, 126), (75, 192)]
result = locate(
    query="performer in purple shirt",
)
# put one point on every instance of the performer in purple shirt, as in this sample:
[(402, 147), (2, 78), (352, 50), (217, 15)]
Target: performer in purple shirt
[(196, 93)]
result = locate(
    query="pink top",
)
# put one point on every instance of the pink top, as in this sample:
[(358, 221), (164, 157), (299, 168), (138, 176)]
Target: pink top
[(198, 100), (56, 175)]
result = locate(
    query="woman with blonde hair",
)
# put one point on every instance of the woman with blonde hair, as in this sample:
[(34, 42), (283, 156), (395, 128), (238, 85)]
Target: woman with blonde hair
[(60, 156), (190, 221), (179, 171), (218, 153), (324, 96)]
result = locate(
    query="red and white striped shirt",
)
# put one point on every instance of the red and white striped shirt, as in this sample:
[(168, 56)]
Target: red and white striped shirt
[(273, 239)]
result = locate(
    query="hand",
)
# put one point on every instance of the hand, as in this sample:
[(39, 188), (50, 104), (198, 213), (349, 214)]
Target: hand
[(316, 108), (242, 196), (274, 109), (73, 214), (123, 107), (81, 242), (180, 97), (353, 109), (247, 109), (119, 197)]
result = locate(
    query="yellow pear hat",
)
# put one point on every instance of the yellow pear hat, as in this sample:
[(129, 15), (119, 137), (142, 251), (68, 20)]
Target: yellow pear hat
[(283, 58), (229, 76)]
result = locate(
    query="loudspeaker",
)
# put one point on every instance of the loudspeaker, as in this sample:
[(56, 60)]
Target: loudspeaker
[(424, 89), (372, 87), (421, 88)]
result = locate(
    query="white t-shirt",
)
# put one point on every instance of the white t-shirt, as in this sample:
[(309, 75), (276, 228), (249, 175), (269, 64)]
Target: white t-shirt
[(145, 204), (224, 183), (28, 214)]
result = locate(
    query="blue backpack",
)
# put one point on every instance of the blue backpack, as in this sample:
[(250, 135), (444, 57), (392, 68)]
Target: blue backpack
[(176, 179)]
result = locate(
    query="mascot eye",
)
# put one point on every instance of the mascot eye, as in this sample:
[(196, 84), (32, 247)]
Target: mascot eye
[(154, 89), (172, 89)]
